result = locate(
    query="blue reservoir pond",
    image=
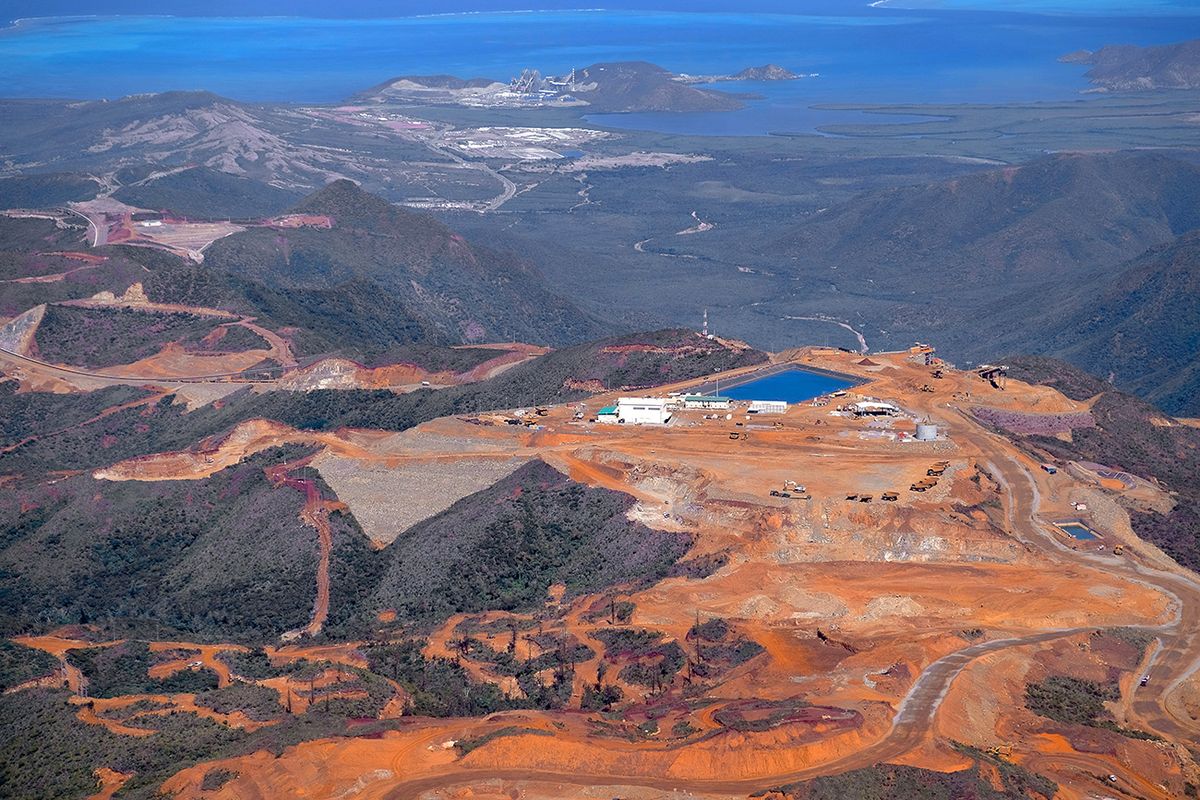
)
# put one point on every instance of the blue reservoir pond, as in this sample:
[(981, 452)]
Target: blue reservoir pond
[(1077, 530), (789, 386)]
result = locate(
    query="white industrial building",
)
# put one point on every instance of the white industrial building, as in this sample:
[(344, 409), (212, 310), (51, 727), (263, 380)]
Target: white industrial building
[(706, 401), (874, 408), (768, 407), (644, 410)]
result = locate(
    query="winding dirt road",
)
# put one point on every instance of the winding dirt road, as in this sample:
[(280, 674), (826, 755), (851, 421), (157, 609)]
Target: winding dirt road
[(1179, 656), (316, 515), (909, 728), (55, 369), (914, 718)]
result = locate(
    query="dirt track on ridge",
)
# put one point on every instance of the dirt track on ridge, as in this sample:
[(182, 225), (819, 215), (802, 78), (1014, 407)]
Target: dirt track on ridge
[(316, 514)]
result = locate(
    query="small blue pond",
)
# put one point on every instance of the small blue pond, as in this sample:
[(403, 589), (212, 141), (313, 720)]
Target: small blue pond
[(1077, 531), (790, 386)]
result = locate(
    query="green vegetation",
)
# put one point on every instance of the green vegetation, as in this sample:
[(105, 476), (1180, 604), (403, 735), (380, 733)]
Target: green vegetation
[(557, 651), (19, 664), (204, 193), (442, 688), (1069, 700), (31, 414), (42, 191), (188, 558), (124, 434), (257, 702), (382, 275), (714, 630), (215, 778), (503, 547), (47, 753), (439, 687), (217, 558), (254, 665), (90, 337), (75, 278), (628, 642), (465, 746), (122, 669), (600, 697), (894, 782), (20, 235), (1138, 639), (714, 652), (1157, 291), (235, 339), (760, 715), (700, 566), (1072, 701), (651, 662)]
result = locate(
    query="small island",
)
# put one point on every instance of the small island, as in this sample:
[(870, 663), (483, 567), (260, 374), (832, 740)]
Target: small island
[(767, 72)]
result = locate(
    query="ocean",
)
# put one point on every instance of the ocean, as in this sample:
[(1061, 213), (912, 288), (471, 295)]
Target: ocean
[(958, 51)]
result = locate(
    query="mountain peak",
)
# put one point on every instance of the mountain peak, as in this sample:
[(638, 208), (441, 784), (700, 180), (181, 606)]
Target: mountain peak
[(351, 205)]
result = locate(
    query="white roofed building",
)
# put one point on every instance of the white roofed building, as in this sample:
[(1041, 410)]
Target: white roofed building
[(644, 410)]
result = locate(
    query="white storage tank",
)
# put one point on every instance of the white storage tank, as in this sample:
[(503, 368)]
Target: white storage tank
[(926, 431)]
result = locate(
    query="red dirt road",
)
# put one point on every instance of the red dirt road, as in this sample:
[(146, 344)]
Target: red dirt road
[(316, 514)]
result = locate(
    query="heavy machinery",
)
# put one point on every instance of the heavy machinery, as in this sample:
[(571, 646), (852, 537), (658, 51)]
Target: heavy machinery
[(890, 497), (923, 485)]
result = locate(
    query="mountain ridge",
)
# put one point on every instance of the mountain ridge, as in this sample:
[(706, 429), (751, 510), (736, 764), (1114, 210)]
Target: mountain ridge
[(1130, 68)]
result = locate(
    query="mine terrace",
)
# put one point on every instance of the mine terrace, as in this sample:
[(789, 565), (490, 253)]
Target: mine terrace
[(859, 561)]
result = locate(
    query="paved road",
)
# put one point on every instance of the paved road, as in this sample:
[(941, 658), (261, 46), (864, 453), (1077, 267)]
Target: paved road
[(99, 232)]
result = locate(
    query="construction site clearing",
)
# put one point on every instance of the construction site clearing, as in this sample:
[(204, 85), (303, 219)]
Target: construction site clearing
[(887, 622), (110, 221)]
